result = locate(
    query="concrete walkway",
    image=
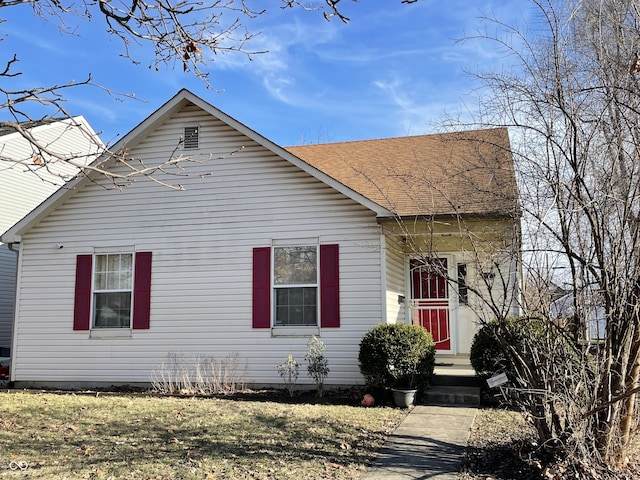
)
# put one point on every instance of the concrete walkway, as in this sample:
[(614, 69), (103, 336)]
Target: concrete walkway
[(427, 445)]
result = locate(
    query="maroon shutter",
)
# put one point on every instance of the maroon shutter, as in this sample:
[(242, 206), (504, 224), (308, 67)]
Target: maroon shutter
[(329, 287), (82, 299), (262, 287), (142, 290)]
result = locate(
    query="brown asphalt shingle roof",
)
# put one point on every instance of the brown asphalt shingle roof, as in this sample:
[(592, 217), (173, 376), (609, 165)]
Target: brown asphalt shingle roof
[(452, 173)]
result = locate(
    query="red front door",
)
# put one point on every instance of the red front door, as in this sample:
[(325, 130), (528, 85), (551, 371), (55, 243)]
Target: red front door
[(430, 299)]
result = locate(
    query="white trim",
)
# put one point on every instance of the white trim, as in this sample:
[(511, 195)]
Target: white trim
[(16, 315), (295, 331), (294, 242), (383, 277), (99, 333), (92, 320), (114, 249), (315, 285)]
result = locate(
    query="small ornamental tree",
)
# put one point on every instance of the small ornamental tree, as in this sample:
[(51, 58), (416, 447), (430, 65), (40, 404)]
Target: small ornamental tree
[(397, 356), (317, 363)]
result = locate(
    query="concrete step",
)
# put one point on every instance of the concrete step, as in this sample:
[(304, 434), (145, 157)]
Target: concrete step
[(455, 370), (452, 395), (451, 380)]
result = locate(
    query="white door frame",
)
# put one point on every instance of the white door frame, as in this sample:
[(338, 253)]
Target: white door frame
[(451, 296)]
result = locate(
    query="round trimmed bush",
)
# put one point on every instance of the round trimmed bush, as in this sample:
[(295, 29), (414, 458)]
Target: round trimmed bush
[(486, 355), (397, 356), (524, 333)]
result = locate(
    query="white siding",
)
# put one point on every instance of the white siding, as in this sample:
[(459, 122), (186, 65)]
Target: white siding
[(396, 289), (202, 240)]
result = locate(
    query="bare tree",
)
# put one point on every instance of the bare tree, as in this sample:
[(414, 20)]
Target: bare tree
[(571, 101), (187, 34)]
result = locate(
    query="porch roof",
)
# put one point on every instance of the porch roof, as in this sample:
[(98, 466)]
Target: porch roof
[(466, 173)]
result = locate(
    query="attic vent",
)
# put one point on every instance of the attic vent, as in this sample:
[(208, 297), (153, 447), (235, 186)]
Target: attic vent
[(190, 137)]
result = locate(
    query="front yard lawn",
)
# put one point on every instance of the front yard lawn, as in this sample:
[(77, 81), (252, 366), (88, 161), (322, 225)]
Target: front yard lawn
[(102, 436)]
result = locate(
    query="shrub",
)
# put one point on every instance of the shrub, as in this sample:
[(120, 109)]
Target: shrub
[(397, 356), (531, 339), (289, 371), (204, 375), (486, 355), (317, 363)]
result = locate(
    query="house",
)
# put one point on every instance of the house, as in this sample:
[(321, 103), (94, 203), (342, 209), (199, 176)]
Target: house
[(260, 248), (24, 185)]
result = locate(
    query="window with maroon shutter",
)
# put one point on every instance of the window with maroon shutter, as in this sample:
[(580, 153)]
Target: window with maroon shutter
[(113, 290), (303, 276), (262, 287), (329, 286), (82, 301), (142, 291)]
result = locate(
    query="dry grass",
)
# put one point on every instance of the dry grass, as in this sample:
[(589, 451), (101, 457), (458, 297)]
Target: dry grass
[(143, 437), (497, 448), (503, 446)]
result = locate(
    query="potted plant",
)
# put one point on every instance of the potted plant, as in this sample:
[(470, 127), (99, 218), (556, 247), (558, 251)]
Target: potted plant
[(404, 398), (404, 374), (399, 357)]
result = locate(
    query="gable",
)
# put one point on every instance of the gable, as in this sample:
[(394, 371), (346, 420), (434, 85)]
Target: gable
[(230, 182), (154, 148)]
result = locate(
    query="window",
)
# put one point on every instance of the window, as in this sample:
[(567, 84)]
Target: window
[(295, 282), (292, 285), (463, 291), (190, 138), (112, 290)]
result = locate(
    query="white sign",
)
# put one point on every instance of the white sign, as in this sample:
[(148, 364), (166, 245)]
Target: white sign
[(497, 380)]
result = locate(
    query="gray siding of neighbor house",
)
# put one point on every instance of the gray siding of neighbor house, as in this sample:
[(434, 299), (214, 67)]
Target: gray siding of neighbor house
[(8, 262), (22, 189)]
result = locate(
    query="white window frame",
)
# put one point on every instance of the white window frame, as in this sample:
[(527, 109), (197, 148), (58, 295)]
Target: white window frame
[(95, 291), (462, 284), (293, 328)]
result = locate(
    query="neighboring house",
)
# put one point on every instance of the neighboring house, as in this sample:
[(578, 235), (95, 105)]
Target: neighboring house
[(24, 185), (263, 248), (589, 327)]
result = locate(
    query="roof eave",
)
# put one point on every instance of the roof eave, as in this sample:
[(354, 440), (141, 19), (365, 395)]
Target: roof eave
[(468, 215)]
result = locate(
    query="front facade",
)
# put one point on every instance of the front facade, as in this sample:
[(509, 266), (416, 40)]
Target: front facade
[(259, 250)]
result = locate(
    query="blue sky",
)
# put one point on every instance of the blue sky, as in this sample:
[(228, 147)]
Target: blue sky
[(394, 70)]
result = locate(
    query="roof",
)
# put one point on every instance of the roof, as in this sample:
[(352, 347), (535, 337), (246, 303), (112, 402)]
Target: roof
[(9, 127), (468, 172), (453, 173)]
